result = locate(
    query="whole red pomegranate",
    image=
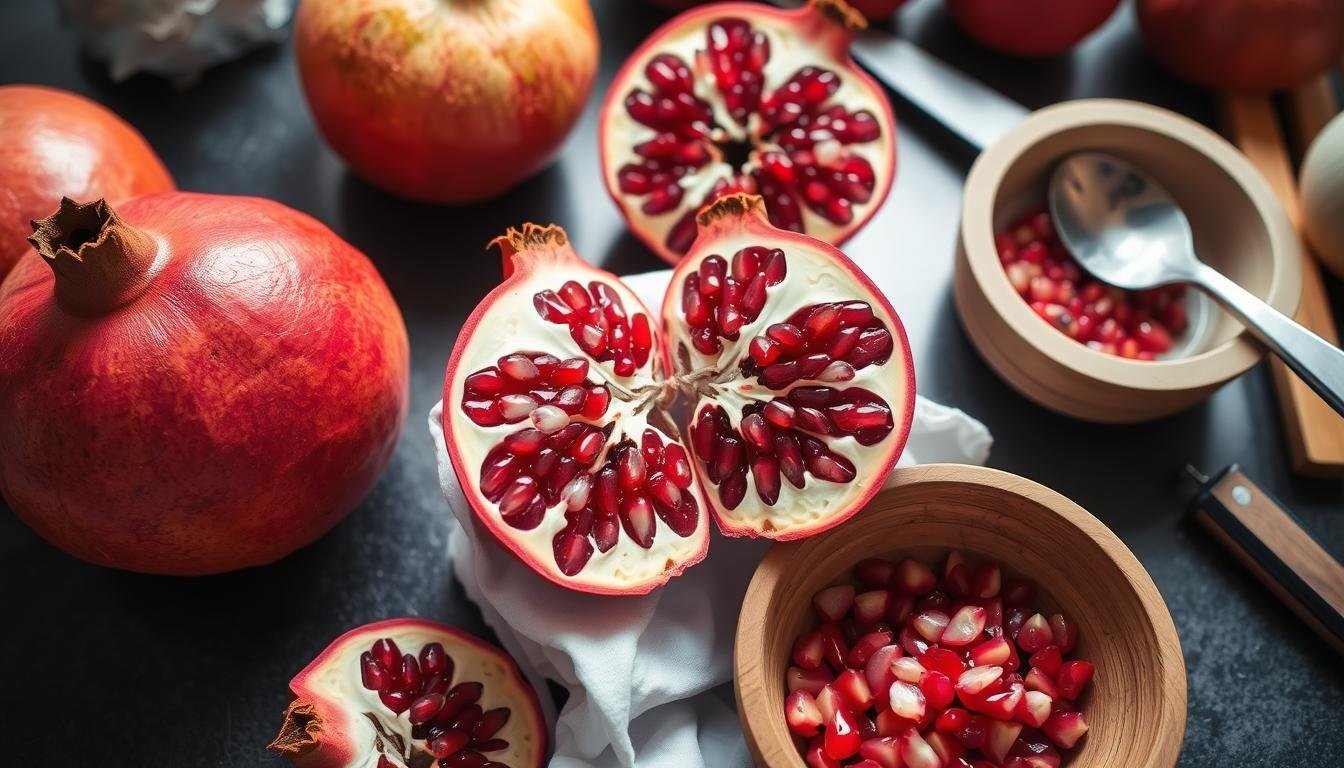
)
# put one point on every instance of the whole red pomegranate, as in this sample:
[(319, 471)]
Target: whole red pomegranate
[(465, 702), (194, 383), (446, 102), (741, 97), (60, 143), (595, 441), (1030, 27), (1243, 45)]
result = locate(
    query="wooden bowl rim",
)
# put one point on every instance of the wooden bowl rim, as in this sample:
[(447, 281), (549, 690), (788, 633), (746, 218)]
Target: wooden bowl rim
[(1210, 367), (758, 724)]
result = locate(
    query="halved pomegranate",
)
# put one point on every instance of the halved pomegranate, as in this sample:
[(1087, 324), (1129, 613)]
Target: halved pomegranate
[(408, 693), (741, 97), (565, 405)]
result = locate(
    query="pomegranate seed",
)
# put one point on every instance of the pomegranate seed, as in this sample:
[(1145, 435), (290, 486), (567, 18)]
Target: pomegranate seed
[(638, 521), (519, 368), (914, 578), (965, 626), (930, 625), (999, 739), (1034, 709), (879, 671), (833, 603), (842, 736), (943, 660), (1063, 632), (866, 646), (875, 573), (977, 679), (549, 419), (1039, 680), (916, 752), (447, 744), (937, 689), (397, 701), (810, 680), (801, 713), (907, 669), (1065, 728), (949, 752), (1049, 659), (853, 690), (1073, 678), (986, 581), (907, 700), (884, 751), (1001, 705), (1018, 593), (630, 469), (993, 652), (807, 650), (372, 674), (871, 607), (1035, 634), (425, 708)]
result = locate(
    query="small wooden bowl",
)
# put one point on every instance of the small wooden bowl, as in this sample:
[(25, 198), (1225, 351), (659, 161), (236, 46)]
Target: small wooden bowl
[(1136, 707), (1239, 228)]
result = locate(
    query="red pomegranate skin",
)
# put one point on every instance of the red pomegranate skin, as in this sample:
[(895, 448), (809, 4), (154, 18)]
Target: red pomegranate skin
[(875, 10), (230, 414), (446, 102), (1030, 27), (1243, 45), (60, 143)]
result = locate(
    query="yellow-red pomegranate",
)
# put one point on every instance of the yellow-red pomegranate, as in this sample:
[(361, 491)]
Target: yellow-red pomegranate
[(446, 101), (194, 383), (60, 143)]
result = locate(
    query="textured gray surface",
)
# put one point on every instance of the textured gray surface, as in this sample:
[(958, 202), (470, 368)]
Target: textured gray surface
[(164, 672)]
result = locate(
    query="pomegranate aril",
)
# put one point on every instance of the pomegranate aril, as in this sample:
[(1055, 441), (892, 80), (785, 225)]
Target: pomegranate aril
[(1049, 659), (397, 701), (841, 736), (964, 627), (1065, 728), (977, 679), (1035, 634), (1063, 632), (999, 739), (914, 578), (1034, 709), (916, 752), (930, 625), (832, 603), (937, 688), (425, 708), (447, 743), (1073, 678), (1018, 593), (993, 652), (865, 647), (810, 680), (801, 713)]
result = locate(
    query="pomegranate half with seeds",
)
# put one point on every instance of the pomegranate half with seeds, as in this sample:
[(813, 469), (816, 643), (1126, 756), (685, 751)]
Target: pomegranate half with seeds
[(741, 97), (566, 407), (408, 693)]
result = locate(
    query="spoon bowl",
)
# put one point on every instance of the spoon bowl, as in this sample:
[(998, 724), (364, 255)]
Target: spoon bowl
[(1126, 230)]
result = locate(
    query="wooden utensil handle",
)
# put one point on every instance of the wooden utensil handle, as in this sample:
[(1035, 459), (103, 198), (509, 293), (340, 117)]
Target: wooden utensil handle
[(1271, 541)]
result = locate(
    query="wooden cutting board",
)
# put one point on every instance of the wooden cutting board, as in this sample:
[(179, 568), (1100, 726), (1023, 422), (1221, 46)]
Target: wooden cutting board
[(1312, 429)]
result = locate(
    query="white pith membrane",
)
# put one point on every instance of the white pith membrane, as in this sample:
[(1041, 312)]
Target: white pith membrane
[(817, 274), (356, 730), (509, 322), (815, 37)]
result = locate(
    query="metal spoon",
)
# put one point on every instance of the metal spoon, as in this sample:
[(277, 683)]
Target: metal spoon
[(1127, 231)]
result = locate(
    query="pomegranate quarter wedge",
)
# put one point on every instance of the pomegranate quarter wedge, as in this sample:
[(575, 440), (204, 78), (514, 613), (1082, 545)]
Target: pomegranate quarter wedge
[(741, 97), (408, 693), (566, 407)]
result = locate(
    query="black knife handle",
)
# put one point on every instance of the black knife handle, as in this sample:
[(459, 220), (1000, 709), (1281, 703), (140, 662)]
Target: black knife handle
[(1271, 541)]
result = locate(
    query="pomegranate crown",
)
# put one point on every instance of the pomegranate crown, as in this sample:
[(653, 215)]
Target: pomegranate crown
[(100, 261), (533, 240), (841, 13), (737, 205)]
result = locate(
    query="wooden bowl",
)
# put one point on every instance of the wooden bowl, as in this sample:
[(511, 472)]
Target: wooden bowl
[(1136, 706), (1239, 228)]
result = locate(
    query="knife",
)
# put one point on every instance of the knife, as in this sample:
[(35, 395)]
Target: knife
[(966, 107)]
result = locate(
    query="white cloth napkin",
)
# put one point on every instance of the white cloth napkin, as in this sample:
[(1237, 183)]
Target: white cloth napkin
[(649, 678)]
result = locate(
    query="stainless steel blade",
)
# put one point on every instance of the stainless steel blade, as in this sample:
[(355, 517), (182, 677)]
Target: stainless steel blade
[(973, 111)]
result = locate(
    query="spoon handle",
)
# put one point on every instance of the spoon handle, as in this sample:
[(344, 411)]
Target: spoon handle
[(1315, 360)]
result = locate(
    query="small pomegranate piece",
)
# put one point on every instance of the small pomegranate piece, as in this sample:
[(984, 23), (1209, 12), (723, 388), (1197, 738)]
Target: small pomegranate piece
[(1065, 728), (466, 703), (738, 97), (800, 710), (1073, 678)]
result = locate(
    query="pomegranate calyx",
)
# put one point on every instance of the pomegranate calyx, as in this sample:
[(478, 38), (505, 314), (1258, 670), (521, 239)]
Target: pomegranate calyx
[(532, 243), (838, 13), (100, 261), (299, 733), (733, 206)]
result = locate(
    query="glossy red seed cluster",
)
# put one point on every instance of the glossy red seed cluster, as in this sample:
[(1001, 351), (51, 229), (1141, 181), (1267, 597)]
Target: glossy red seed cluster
[(456, 731), (598, 323), (822, 342), (1135, 324), (907, 671), (717, 302), (799, 147), (635, 483), (536, 387)]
